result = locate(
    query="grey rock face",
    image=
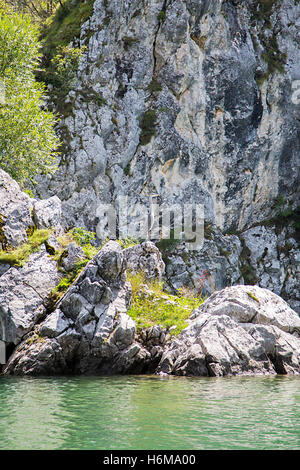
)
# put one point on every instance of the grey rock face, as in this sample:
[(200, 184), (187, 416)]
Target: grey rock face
[(265, 256), (22, 293), (224, 137), (219, 256), (24, 289), (240, 330), (274, 259), (72, 254), (19, 212), (90, 331), (145, 257), (15, 212), (47, 213)]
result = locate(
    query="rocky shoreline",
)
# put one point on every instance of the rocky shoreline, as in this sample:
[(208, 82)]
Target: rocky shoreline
[(239, 330)]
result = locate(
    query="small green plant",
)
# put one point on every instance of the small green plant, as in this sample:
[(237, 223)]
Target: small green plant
[(127, 242), (64, 66), (261, 12), (85, 239), (129, 41), (82, 237), (154, 86), (35, 338), (161, 16), (152, 306), (253, 297), (65, 25), (147, 125), (19, 256)]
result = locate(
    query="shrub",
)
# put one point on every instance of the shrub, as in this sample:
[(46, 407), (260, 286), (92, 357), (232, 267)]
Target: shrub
[(147, 125), (28, 144)]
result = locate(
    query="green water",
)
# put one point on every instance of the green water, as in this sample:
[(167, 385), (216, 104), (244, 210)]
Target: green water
[(150, 413)]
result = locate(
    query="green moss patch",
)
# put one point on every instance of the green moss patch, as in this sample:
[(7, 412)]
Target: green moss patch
[(19, 256), (261, 12)]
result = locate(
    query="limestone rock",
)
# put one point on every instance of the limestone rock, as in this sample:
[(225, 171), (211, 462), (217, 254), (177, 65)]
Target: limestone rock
[(47, 213), (22, 294), (90, 331), (15, 212), (147, 258), (71, 255), (226, 131), (234, 333)]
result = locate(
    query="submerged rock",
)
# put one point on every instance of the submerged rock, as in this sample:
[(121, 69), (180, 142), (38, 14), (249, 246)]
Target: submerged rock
[(241, 330)]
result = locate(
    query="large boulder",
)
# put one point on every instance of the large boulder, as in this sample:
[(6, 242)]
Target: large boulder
[(89, 331), (240, 330)]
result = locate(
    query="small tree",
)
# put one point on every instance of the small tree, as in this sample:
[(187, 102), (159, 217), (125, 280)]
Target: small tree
[(28, 144)]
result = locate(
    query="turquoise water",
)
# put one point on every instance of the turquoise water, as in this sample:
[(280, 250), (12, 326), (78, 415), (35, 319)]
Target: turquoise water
[(150, 413)]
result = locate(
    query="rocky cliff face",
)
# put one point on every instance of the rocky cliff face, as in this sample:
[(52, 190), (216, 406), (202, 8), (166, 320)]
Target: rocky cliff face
[(87, 329), (193, 100), (217, 76)]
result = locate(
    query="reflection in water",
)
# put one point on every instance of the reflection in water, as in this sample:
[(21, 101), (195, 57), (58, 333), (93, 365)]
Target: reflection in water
[(150, 413)]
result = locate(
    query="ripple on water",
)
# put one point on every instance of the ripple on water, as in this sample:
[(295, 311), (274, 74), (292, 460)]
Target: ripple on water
[(148, 412)]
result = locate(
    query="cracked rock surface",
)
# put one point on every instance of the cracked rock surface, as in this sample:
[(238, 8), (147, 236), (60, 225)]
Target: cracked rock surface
[(241, 330), (90, 332), (226, 133)]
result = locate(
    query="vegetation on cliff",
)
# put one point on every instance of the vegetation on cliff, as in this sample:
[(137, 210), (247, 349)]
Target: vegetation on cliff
[(19, 256), (28, 143), (151, 305)]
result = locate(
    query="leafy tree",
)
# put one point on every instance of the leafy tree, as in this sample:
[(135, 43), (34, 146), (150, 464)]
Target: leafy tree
[(28, 144), (39, 10)]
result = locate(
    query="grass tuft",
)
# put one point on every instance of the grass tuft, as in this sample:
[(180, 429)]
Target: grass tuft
[(19, 256)]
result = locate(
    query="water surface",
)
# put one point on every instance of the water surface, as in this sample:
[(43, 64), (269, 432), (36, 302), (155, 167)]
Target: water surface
[(138, 412)]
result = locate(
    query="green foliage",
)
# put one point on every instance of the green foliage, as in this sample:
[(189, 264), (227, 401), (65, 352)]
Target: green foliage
[(28, 144), (127, 169), (152, 306), (167, 245), (275, 59), (38, 10), (147, 125), (253, 297), (161, 16), (62, 72), (85, 239), (65, 25), (19, 256), (82, 237), (129, 41), (57, 293), (154, 86), (61, 54), (127, 242)]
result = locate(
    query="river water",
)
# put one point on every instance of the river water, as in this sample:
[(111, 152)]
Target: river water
[(149, 412)]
